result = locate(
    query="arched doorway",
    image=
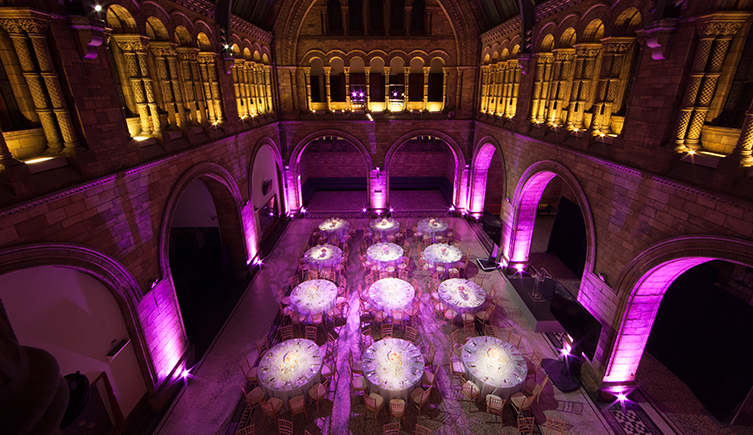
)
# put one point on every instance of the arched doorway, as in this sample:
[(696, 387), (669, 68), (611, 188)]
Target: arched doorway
[(679, 267), (488, 188), (206, 256), (75, 318), (332, 173), (422, 174), (552, 226), (267, 192)]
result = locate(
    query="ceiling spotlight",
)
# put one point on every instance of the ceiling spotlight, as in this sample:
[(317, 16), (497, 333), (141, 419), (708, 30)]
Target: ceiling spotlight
[(98, 8)]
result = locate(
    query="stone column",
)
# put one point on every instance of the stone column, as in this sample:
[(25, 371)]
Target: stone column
[(512, 100), (148, 87), (484, 88), (586, 55), (499, 88), (268, 86), (346, 70), (444, 87), (185, 56), (36, 30), (307, 77), (172, 64), (206, 84), (36, 84), (406, 81), (259, 80), (609, 88), (541, 86), (327, 71), (256, 107), (715, 33), (367, 70), (215, 88), (128, 44), (247, 72), (159, 51), (386, 88), (426, 87), (239, 88), (563, 59), (744, 148)]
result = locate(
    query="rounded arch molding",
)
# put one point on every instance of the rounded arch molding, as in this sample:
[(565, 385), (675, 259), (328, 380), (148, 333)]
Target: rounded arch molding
[(268, 141), (449, 140), (201, 170), (478, 177), (643, 283), (110, 272), (295, 156), (523, 194)]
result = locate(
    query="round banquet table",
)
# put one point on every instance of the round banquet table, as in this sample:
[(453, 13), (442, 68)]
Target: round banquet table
[(461, 295), (291, 368), (494, 365), (391, 294), (323, 256), (440, 254), (384, 254), (384, 227), (392, 368), (314, 296), (334, 227), (433, 227)]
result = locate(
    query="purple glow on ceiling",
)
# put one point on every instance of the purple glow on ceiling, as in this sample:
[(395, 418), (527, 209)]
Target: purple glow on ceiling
[(639, 317)]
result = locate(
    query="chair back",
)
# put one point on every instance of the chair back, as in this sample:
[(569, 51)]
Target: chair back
[(491, 330), (248, 430), (495, 404), (470, 389), (262, 347), (369, 402), (386, 330), (297, 404), (286, 332), (392, 429), (425, 395), (311, 333), (285, 427), (555, 426), (536, 359), (528, 401), (469, 329), (411, 334), (525, 425), (397, 408), (421, 430)]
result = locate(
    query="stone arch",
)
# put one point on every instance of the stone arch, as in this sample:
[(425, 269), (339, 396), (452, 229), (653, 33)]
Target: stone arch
[(227, 196), (457, 153), (525, 201), (121, 19), (482, 158), (156, 29), (645, 280), (267, 141), (295, 194), (107, 270), (545, 38)]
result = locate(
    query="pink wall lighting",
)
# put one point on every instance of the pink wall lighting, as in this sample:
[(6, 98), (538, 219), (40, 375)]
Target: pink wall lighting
[(248, 219), (525, 204), (378, 190), (639, 317), (478, 179), (161, 321)]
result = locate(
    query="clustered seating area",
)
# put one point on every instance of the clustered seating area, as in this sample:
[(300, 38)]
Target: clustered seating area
[(397, 317)]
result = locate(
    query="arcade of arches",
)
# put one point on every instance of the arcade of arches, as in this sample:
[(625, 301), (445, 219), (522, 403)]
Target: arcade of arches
[(156, 155)]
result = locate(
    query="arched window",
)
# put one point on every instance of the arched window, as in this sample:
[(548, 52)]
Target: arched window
[(334, 18), (355, 17), (397, 17), (418, 18), (376, 17)]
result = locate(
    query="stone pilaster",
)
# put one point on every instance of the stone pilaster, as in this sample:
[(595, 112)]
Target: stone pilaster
[(561, 75)]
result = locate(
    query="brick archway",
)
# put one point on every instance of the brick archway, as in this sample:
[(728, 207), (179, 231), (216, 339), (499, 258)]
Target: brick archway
[(239, 233), (525, 202), (645, 281), (115, 277), (482, 159), (459, 180), (293, 171)]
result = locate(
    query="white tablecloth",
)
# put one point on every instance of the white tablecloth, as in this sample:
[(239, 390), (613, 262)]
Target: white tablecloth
[(441, 254), (384, 227), (494, 365), (322, 256), (391, 294), (392, 368), (315, 296), (384, 254), (433, 227), (461, 295), (334, 227), (291, 368)]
